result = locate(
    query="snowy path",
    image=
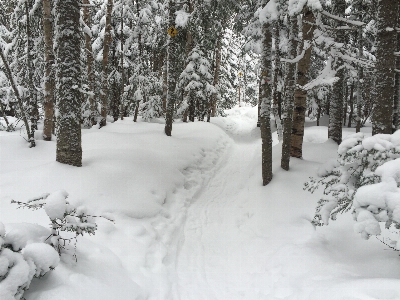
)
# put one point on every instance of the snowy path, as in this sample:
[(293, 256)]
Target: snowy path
[(244, 241), (210, 260)]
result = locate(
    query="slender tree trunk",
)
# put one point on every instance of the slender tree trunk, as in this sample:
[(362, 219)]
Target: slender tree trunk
[(216, 76), (32, 96), (382, 118), (275, 93), (165, 85), (259, 101), (345, 104), (49, 72), (104, 77), (396, 115), (172, 71), (336, 109), (319, 111), (122, 65), (360, 76), (189, 47), (351, 100), (300, 95), (265, 113), (89, 60), (289, 95), (69, 148), (22, 112)]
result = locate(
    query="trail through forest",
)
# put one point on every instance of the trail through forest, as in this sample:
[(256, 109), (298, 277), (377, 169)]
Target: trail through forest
[(244, 241)]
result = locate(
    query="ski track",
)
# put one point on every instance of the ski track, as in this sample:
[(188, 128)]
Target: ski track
[(210, 261)]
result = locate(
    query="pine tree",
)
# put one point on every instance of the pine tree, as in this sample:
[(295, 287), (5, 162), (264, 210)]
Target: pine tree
[(67, 33)]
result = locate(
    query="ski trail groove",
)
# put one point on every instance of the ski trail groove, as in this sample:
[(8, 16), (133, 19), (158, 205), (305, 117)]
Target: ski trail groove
[(206, 264)]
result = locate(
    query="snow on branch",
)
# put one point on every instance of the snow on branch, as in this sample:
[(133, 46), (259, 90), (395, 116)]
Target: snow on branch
[(337, 18)]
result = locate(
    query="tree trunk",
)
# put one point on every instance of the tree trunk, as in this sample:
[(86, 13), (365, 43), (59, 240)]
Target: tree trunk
[(49, 72), (104, 75), (336, 108), (345, 104), (265, 112), (396, 115), (385, 65), (171, 71), (289, 95), (351, 100), (122, 65), (300, 95), (89, 60), (22, 112), (275, 94), (32, 94), (216, 76), (69, 148)]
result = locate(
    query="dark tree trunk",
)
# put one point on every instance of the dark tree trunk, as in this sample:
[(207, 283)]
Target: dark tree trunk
[(336, 108), (104, 77), (351, 101), (171, 61), (289, 95), (300, 95), (265, 113), (69, 149), (382, 118), (48, 104)]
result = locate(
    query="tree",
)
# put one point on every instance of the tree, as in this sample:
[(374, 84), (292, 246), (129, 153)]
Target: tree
[(265, 111), (67, 33), (171, 70), (49, 72), (385, 66), (336, 106), (300, 95), (290, 87), (104, 74)]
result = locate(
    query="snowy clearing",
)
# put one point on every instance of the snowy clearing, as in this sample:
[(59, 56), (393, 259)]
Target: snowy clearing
[(192, 220)]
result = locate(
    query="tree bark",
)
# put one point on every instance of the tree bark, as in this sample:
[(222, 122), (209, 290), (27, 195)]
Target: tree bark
[(336, 108), (265, 112), (396, 115), (351, 100), (360, 75), (89, 60), (104, 77), (122, 65), (69, 148), (32, 94), (49, 72), (171, 72), (289, 95), (385, 65), (216, 76), (300, 95)]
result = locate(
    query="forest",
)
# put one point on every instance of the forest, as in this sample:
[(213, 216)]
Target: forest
[(199, 149)]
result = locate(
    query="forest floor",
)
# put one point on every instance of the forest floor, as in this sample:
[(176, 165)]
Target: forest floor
[(192, 220)]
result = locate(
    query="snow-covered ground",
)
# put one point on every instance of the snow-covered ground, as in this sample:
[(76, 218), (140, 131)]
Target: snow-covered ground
[(192, 220)]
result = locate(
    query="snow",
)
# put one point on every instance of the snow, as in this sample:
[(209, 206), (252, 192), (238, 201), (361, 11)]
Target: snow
[(56, 205), (43, 256), (192, 220)]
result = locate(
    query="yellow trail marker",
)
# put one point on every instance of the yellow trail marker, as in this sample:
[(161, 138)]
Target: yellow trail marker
[(240, 74), (172, 31)]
